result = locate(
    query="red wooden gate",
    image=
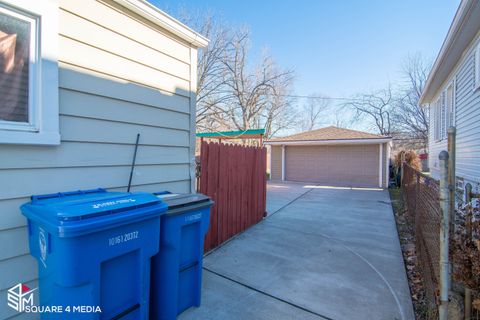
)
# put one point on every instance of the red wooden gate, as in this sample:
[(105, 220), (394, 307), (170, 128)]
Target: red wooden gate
[(234, 177)]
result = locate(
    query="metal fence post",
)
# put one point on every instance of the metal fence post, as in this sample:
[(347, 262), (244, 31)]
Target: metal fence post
[(402, 162), (451, 174), (468, 226), (417, 194), (444, 235)]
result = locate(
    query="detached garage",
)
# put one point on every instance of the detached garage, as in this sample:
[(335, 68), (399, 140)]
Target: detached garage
[(331, 156)]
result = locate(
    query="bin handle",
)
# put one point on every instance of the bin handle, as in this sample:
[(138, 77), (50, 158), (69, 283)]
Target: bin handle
[(161, 192), (36, 198)]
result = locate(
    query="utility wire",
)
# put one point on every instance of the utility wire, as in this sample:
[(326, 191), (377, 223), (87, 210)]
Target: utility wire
[(314, 97)]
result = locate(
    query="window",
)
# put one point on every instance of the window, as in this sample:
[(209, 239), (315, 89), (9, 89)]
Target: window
[(450, 105), (436, 119), (28, 72), (443, 112), (17, 66), (443, 117)]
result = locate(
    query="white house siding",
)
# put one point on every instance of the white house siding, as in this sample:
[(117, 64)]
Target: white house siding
[(119, 75), (467, 121)]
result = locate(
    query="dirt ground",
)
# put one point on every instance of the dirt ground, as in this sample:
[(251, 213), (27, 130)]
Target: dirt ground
[(407, 241)]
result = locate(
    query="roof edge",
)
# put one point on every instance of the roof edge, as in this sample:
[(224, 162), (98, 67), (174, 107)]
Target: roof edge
[(332, 141), (462, 14), (231, 133), (161, 19)]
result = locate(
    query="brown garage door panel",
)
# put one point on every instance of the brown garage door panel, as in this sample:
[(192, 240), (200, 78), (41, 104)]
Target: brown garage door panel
[(349, 165)]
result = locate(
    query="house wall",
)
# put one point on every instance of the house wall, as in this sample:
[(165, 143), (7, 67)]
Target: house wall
[(119, 75), (276, 162), (467, 120)]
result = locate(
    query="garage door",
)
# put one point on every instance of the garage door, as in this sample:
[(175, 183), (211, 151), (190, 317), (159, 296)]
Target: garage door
[(349, 165)]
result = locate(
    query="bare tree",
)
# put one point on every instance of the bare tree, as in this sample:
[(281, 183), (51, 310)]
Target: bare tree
[(231, 93), (410, 117), (377, 108), (280, 113), (341, 119), (256, 95), (210, 69), (314, 111)]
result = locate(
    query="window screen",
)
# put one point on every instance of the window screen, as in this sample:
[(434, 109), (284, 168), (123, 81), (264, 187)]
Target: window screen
[(14, 67)]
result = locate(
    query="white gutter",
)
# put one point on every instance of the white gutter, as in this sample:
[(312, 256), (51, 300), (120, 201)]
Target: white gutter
[(163, 20), (327, 142)]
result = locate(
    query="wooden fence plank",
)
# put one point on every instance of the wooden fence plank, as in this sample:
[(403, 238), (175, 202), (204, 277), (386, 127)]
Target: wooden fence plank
[(234, 177)]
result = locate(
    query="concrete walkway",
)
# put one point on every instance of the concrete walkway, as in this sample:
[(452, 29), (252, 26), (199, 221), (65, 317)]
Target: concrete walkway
[(322, 253)]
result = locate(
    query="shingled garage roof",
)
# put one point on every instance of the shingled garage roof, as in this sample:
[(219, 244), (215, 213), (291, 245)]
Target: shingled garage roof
[(331, 156), (328, 134)]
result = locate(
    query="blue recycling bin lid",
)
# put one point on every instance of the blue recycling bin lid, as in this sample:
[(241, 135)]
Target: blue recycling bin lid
[(85, 211)]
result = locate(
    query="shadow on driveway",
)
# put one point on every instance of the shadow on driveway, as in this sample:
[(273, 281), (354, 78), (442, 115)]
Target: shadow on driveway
[(322, 253)]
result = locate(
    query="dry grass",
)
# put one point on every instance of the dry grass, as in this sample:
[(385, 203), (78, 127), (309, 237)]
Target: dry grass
[(411, 158), (407, 242)]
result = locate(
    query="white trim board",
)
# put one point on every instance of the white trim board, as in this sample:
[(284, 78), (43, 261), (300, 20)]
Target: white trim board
[(380, 164), (45, 77), (163, 20)]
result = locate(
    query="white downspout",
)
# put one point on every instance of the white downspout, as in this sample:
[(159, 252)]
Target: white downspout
[(283, 162), (387, 164), (380, 165)]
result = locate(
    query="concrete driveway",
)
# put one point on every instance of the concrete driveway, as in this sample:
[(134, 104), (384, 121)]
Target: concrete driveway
[(322, 253)]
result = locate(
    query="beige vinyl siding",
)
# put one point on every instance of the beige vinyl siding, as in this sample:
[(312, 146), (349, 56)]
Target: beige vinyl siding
[(118, 75), (466, 120), (109, 15), (276, 163)]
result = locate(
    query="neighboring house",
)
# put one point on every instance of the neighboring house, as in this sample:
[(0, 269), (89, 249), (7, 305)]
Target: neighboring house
[(331, 156), (78, 81), (452, 94)]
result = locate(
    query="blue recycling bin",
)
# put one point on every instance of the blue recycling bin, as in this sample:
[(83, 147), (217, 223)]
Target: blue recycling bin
[(93, 249), (176, 278)]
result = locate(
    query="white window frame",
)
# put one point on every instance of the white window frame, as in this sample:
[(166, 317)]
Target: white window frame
[(43, 125), (477, 67), (450, 110), (437, 123), (443, 115)]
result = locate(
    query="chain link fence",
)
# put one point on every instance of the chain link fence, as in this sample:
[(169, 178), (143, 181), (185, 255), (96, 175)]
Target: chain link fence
[(423, 210), (421, 195)]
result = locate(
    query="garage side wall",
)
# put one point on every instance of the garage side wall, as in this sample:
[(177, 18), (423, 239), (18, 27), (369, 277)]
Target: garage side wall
[(119, 75), (276, 163)]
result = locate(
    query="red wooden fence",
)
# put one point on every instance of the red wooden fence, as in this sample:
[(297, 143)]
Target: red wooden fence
[(234, 177)]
